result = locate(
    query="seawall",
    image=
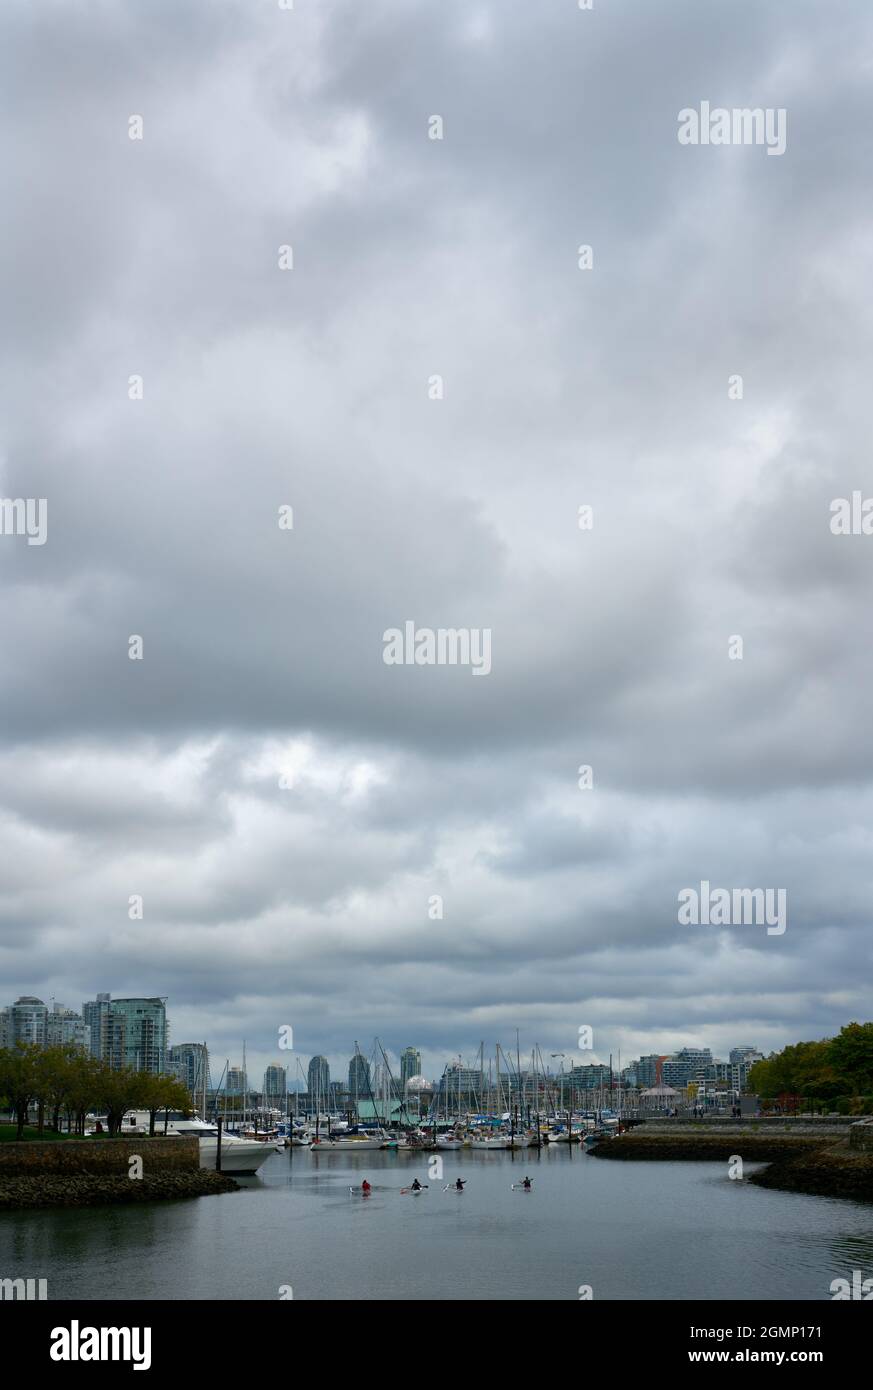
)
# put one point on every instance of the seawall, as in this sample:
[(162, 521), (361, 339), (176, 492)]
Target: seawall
[(702, 1145), (32, 1158), (829, 1162), (85, 1172), (84, 1190)]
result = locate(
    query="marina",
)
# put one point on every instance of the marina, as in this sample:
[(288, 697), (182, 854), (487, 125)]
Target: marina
[(627, 1231)]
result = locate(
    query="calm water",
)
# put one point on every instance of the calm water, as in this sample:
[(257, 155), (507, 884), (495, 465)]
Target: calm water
[(630, 1230)]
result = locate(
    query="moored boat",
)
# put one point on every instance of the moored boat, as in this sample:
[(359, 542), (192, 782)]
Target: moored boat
[(239, 1156)]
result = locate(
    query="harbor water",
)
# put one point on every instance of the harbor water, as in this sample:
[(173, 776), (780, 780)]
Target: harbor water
[(623, 1230)]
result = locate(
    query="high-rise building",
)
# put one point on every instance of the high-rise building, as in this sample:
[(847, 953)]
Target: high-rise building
[(95, 1013), (145, 1033), (742, 1059), (28, 1017), (65, 1028), (235, 1083), (318, 1083), (462, 1087), (648, 1069), (190, 1063), (128, 1032), (688, 1064), (359, 1077), (410, 1065), (275, 1084), (593, 1076)]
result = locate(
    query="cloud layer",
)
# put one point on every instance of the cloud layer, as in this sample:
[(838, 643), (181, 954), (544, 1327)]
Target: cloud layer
[(307, 902)]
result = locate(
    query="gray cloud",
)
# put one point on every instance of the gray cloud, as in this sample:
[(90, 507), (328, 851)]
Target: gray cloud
[(263, 647)]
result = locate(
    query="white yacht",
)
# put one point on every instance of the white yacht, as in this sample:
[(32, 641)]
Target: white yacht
[(238, 1156), (350, 1143)]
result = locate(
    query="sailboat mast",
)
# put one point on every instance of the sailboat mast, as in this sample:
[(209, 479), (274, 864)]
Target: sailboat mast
[(518, 1073)]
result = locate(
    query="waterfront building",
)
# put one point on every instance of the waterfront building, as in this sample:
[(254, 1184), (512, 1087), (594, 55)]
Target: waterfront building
[(648, 1069), (660, 1098), (688, 1064), (742, 1059)]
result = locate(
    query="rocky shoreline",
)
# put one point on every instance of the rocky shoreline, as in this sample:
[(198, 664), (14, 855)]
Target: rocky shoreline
[(695, 1147), (828, 1171), (818, 1164), (81, 1190)]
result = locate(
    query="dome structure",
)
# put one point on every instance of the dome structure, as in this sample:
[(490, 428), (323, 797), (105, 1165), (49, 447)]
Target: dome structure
[(418, 1083)]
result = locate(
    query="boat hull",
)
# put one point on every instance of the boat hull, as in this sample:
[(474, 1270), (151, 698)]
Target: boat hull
[(240, 1158)]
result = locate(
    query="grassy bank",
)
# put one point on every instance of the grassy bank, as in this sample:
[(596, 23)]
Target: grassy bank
[(9, 1134)]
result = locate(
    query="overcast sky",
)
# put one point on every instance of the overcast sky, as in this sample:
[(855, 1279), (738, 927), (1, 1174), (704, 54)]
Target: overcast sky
[(307, 903)]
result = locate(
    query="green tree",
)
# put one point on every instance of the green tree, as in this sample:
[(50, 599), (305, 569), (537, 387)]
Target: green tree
[(164, 1093), (851, 1055), (83, 1089), (119, 1089), (19, 1080)]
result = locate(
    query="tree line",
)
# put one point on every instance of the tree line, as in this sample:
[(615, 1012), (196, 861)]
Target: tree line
[(65, 1081), (835, 1071)]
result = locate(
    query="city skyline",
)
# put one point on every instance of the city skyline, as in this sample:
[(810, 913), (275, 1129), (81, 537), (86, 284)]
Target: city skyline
[(362, 1070)]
